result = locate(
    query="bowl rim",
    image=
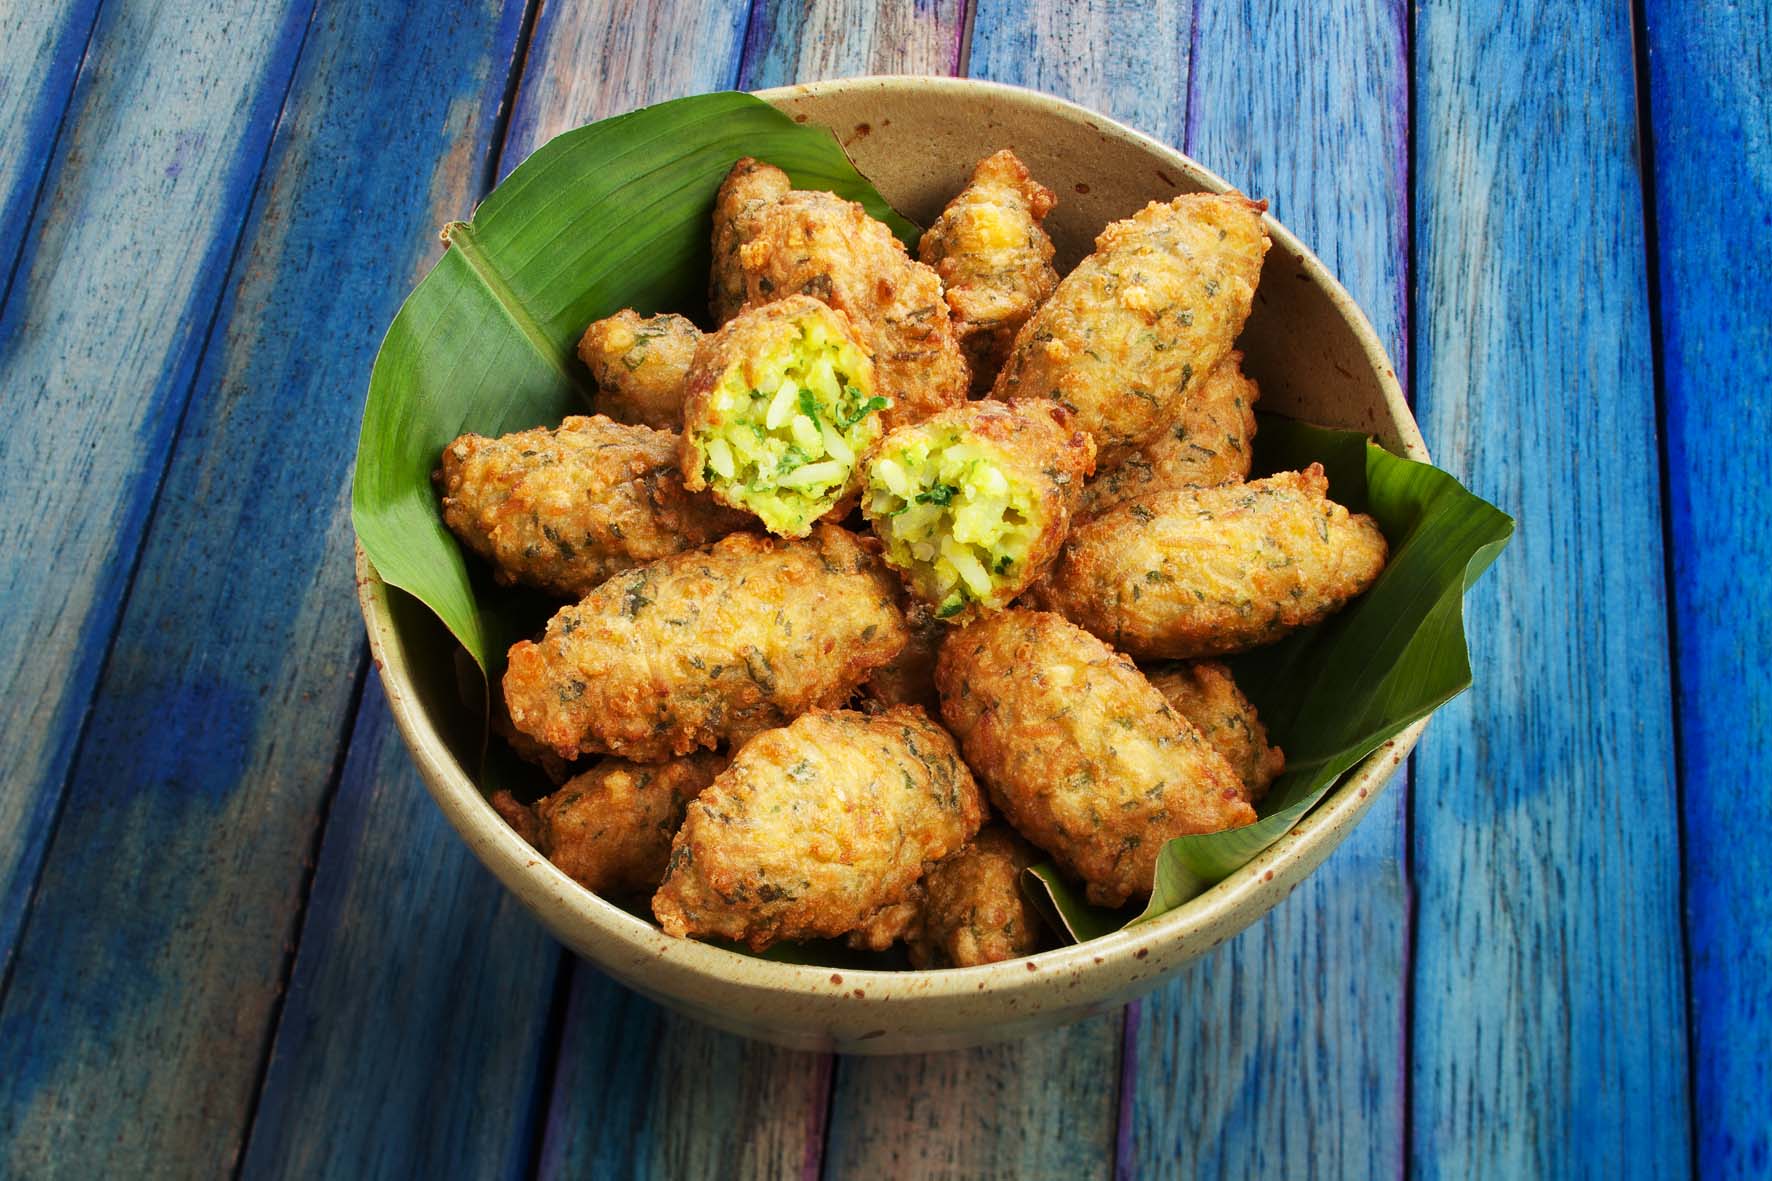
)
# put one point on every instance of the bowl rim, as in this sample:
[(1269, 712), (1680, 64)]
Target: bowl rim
[(1255, 887)]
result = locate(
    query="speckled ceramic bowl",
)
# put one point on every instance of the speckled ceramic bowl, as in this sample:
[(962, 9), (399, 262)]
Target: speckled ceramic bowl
[(1316, 358)]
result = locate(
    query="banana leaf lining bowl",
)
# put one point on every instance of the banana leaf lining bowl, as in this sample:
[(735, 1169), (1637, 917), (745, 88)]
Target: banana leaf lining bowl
[(1316, 358)]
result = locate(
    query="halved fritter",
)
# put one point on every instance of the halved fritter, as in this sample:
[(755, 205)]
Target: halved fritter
[(974, 503), (781, 405)]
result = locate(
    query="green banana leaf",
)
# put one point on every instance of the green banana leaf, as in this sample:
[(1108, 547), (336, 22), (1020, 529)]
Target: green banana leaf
[(1332, 694), (612, 215)]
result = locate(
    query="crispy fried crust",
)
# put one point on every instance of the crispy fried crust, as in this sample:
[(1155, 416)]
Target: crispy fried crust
[(815, 827), (1203, 692), (562, 510), (1079, 752), (706, 646), (1209, 442), (818, 244), (749, 188), (1038, 447), (639, 363), (890, 924), (609, 828), (909, 677), (974, 911), (1128, 335), (1206, 571), (994, 259)]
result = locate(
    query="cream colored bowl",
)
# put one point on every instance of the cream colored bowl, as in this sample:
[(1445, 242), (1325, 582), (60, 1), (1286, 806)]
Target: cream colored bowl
[(1316, 358)]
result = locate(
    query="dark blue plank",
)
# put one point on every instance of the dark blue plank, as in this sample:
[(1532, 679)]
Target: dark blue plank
[(1549, 1017), (418, 1015), (100, 336), (41, 48), (1710, 74), (147, 977)]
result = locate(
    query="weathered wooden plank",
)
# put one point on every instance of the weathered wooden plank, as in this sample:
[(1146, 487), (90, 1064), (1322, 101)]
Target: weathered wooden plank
[(1125, 60), (41, 47), (643, 1092), (1710, 70), (162, 924), (636, 1090), (1549, 1019), (800, 42), (603, 57), (1298, 1024), (1042, 1107), (100, 334), (419, 981)]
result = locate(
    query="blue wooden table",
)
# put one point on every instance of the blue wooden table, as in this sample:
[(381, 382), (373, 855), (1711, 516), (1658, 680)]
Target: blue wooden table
[(236, 936)]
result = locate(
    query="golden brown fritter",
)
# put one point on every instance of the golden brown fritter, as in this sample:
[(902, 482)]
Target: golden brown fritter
[(817, 244), (1203, 692), (749, 188), (1209, 442), (562, 510), (890, 924), (909, 677), (815, 827), (705, 646), (780, 406), (994, 259), (974, 503), (1081, 755), (639, 363), (974, 911), (609, 828), (1207, 571), (1130, 333)]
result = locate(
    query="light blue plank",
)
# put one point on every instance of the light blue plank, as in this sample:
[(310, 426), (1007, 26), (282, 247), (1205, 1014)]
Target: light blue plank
[(418, 1015), (161, 929), (1549, 1019), (41, 47), (1710, 74), (100, 336), (1297, 1026), (800, 42)]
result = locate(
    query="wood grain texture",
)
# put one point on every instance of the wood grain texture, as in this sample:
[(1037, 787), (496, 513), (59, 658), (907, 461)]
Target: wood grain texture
[(41, 48), (1297, 1025), (1548, 1032), (172, 891), (420, 981), (811, 39), (1041, 1107), (638, 1091), (642, 1092), (1125, 58), (591, 59), (1710, 66), (100, 336)]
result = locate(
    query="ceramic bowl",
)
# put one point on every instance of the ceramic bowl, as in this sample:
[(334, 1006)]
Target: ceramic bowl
[(1316, 358)]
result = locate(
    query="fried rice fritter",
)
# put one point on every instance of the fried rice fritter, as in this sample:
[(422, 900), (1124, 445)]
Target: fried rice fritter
[(974, 503), (817, 826), (1081, 755), (1129, 335), (1206, 571), (1209, 442), (609, 828), (780, 406), (707, 646), (639, 363), (817, 244), (994, 259), (973, 910), (562, 510), (1203, 692), (909, 677)]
